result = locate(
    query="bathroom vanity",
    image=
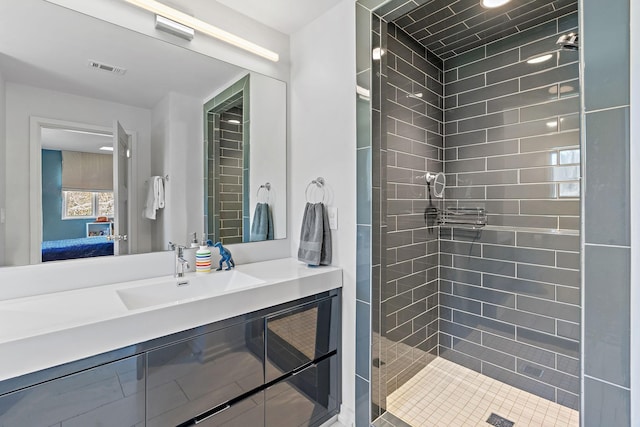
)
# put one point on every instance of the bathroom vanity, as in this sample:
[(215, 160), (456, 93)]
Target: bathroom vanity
[(258, 348)]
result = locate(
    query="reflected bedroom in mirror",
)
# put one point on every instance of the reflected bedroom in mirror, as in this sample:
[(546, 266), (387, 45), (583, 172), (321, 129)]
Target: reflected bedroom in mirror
[(114, 142)]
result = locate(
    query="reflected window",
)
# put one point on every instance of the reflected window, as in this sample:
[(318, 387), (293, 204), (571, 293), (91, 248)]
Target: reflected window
[(86, 204)]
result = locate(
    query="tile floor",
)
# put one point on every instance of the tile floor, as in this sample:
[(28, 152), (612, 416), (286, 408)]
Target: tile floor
[(445, 394)]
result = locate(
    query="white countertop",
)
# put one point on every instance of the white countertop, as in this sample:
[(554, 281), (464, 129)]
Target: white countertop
[(43, 331)]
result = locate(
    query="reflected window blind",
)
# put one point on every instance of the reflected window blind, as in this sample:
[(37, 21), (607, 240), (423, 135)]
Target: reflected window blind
[(87, 171)]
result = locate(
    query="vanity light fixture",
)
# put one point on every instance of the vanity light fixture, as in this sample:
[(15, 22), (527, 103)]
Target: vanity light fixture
[(490, 4), (106, 148), (203, 27), (539, 59), (175, 28)]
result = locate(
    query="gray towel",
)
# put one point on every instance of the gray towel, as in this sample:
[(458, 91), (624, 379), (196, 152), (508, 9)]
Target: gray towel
[(315, 236), (262, 225)]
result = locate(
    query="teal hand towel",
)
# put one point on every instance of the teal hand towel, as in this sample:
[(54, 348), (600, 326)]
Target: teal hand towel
[(262, 224)]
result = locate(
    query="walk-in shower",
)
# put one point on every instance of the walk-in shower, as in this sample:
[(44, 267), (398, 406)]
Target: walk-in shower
[(476, 314)]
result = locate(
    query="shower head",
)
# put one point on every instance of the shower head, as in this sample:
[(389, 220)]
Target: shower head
[(569, 41)]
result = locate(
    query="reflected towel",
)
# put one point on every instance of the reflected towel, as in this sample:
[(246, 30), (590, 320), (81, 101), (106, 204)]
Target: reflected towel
[(262, 225), (315, 236), (155, 197)]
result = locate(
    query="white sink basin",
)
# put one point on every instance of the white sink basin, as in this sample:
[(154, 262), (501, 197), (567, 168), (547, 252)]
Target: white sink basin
[(169, 292)]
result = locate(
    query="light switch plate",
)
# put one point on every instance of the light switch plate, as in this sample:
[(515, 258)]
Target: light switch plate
[(333, 218)]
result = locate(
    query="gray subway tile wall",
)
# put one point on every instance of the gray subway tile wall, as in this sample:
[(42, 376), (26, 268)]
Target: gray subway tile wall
[(230, 167), (509, 288), (606, 83), (509, 117), (409, 303)]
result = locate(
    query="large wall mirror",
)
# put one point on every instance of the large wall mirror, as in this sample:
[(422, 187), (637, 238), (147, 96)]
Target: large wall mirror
[(114, 142)]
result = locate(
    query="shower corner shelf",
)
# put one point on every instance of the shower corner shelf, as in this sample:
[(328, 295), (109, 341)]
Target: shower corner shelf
[(464, 217)]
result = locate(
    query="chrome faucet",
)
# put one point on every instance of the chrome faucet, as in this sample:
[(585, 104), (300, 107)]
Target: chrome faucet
[(181, 263)]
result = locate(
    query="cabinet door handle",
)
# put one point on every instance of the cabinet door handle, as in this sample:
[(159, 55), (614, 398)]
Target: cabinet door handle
[(303, 368), (212, 415)]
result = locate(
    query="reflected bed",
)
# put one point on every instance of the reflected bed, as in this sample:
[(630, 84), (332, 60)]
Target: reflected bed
[(86, 247)]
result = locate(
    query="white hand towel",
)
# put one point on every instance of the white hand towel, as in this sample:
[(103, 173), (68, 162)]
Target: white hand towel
[(155, 197)]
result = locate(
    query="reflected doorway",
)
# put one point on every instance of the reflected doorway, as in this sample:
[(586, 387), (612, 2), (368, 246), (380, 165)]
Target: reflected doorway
[(80, 203)]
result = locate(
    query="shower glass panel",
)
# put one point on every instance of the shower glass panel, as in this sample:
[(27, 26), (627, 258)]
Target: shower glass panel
[(476, 307)]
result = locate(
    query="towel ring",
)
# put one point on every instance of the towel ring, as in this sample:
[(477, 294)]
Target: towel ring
[(319, 183), (266, 189)]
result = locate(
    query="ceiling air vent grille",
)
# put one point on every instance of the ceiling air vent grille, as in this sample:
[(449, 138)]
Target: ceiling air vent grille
[(109, 68)]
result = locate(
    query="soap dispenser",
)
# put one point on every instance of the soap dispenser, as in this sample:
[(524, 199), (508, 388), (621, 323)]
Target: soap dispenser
[(203, 257), (190, 251)]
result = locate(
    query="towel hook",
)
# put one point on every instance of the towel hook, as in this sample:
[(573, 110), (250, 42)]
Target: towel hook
[(266, 187), (319, 183)]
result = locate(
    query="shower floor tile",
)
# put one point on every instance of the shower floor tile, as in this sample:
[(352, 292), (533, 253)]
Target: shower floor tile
[(446, 394)]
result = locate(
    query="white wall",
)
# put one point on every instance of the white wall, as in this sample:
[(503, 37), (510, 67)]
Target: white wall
[(23, 102), (176, 146), (323, 143), (268, 148), (123, 14), (3, 168), (160, 134)]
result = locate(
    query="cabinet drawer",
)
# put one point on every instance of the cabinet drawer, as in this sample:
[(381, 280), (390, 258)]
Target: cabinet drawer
[(306, 398), (248, 412), (111, 395), (300, 335), (190, 377)]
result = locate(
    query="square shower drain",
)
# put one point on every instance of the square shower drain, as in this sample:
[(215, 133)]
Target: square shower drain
[(498, 421)]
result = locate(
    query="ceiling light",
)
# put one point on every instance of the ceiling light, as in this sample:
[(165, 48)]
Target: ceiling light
[(88, 132), (493, 3), (539, 59), (105, 148), (377, 53), (175, 28), (233, 121), (552, 124), (203, 27), (566, 89)]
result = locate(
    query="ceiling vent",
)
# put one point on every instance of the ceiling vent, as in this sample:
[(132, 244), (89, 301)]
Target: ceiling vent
[(109, 68)]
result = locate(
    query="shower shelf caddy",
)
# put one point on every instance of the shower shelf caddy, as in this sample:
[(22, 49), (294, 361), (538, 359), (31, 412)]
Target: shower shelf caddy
[(464, 217)]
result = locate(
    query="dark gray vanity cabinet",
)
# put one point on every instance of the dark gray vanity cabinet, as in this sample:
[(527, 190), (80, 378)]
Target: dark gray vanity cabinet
[(110, 395), (299, 368), (190, 377), (276, 367)]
